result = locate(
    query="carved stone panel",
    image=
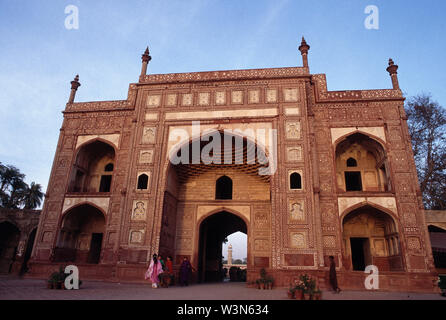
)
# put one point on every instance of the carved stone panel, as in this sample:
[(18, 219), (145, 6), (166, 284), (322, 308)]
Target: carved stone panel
[(146, 156), (271, 95), (298, 239), (294, 153), (220, 97), (293, 130), (254, 96), (296, 211), (290, 95), (149, 135), (139, 210), (153, 101), (203, 98), (171, 100)]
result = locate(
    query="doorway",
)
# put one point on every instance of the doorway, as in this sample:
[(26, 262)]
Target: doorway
[(94, 254), (360, 253), (353, 181), (213, 232)]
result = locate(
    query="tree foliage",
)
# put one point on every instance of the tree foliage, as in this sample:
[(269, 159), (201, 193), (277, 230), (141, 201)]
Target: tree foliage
[(15, 193), (427, 128)]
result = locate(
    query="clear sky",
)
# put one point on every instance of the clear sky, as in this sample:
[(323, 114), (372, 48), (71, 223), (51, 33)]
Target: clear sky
[(39, 56)]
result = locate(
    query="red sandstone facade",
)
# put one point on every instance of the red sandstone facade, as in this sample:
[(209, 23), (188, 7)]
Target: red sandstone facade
[(345, 183)]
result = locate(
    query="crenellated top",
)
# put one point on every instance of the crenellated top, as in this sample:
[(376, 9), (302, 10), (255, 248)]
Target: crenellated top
[(323, 95), (269, 73), (111, 105)]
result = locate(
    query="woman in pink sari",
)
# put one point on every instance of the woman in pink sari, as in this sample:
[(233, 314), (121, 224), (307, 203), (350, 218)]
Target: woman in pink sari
[(155, 268)]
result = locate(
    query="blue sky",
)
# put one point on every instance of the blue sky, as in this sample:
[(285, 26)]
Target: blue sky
[(39, 56)]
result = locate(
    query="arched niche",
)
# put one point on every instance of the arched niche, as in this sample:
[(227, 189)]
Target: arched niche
[(361, 165), (81, 234), (93, 168), (370, 237)]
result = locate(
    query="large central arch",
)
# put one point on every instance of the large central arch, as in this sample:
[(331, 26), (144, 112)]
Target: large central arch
[(222, 197)]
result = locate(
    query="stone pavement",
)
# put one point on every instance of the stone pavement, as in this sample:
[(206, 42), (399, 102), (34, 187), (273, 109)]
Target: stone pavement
[(31, 289)]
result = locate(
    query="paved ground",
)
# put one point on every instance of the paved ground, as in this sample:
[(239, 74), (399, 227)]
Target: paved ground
[(30, 289)]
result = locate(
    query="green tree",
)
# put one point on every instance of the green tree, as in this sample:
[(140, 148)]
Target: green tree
[(32, 196), (15, 193), (427, 128)]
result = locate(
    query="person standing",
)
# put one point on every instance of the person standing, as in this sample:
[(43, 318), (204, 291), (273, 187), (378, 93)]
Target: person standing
[(161, 260), (154, 270), (185, 271), (169, 269), (332, 276)]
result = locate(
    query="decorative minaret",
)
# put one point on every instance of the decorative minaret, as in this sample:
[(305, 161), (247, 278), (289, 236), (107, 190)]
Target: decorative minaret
[(391, 69), (303, 48), (145, 61), (230, 254), (74, 85)]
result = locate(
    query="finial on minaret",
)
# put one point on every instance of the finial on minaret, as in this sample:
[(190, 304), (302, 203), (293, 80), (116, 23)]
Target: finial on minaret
[(74, 85), (392, 70), (145, 61), (303, 48), (230, 254)]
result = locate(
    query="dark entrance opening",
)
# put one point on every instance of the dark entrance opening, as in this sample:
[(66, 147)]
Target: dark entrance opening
[(105, 183), (353, 181), (359, 248), (223, 188), (213, 231), (95, 248), (9, 240), (29, 249)]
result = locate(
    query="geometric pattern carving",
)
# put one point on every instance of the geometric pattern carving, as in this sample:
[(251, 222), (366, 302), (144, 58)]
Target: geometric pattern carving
[(271, 95), (153, 101), (329, 241), (290, 95), (220, 97), (261, 220), (203, 98), (254, 96), (187, 99), (413, 244), (171, 100), (237, 97), (261, 245)]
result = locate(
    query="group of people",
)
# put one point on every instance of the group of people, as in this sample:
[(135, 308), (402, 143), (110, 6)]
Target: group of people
[(161, 273)]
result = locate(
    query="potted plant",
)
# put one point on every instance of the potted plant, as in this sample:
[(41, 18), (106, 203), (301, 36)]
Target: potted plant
[(53, 280), (269, 282), (299, 287), (291, 291), (262, 281), (317, 294)]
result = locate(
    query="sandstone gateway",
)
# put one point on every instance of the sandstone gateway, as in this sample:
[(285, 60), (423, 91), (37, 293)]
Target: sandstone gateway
[(344, 182)]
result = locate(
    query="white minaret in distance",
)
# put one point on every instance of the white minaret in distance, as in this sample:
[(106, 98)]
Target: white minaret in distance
[(230, 254)]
